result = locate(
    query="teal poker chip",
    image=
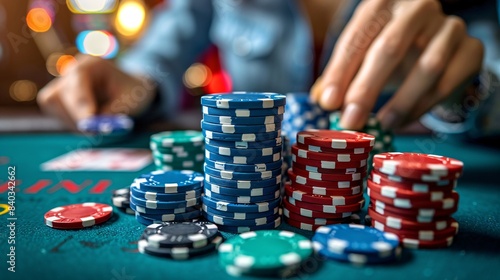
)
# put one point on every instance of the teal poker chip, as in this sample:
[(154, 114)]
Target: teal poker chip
[(244, 100), (169, 139)]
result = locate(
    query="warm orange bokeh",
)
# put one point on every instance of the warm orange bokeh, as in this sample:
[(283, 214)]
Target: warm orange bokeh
[(38, 20), (63, 62)]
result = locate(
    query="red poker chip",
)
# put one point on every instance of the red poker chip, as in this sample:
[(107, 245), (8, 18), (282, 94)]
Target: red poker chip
[(337, 157), (416, 186), (328, 177), (423, 244), (395, 222), (78, 216), (327, 208), (312, 148), (425, 235), (405, 203), (313, 221), (336, 139), (327, 184), (328, 164), (428, 168), (328, 191), (302, 225), (329, 171), (319, 199), (395, 192), (419, 215), (313, 214)]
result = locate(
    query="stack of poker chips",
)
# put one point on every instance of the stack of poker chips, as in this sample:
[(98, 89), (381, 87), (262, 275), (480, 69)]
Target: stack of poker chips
[(412, 195), (121, 200), (178, 150), (110, 125), (383, 138), (166, 196), (328, 168), (180, 240), (265, 253), (356, 244), (242, 160)]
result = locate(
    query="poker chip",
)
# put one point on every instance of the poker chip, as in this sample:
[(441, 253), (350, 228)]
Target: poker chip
[(294, 217), (313, 214), (319, 199), (244, 100), (415, 186), (390, 221), (329, 164), (240, 207), (264, 252), (241, 229), (243, 137), (249, 160), (244, 144), (187, 138), (234, 175), (395, 192), (243, 113), (424, 244), (121, 200), (417, 214), (328, 176), (422, 234), (329, 171), (171, 217), (240, 129), (327, 208), (78, 216), (225, 151), (223, 221), (165, 196), (179, 253), (144, 210), (328, 156), (242, 192), (344, 139), (273, 119), (297, 179), (157, 204), (243, 184), (195, 234), (356, 243), (444, 203), (240, 216), (242, 199), (169, 181), (247, 168), (106, 124)]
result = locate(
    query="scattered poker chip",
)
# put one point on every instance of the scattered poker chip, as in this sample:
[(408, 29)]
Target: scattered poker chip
[(106, 124), (157, 204), (169, 181), (243, 184), (243, 199), (171, 217), (310, 221), (317, 183), (266, 250), (318, 199), (78, 216), (195, 234), (242, 159), (313, 214), (175, 138), (411, 185), (239, 216), (243, 113), (241, 229), (444, 203), (328, 156), (240, 207), (165, 196), (276, 142), (223, 221), (243, 137), (179, 253), (243, 121), (424, 167), (329, 177), (244, 100), (344, 139), (327, 208), (242, 192), (225, 151), (240, 129), (344, 242), (145, 210), (329, 164), (398, 223), (248, 168), (234, 175)]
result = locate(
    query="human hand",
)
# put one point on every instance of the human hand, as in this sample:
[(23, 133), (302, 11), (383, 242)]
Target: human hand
[(93, 86), (383, 36)]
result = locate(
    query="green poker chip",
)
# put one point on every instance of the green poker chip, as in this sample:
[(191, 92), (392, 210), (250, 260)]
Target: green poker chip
[(264, 250), (184, 138)]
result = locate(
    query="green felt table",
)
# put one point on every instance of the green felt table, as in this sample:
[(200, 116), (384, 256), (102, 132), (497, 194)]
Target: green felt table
[(109, 251)]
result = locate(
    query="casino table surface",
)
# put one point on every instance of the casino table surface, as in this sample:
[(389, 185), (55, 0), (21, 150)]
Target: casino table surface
[(109, 251)]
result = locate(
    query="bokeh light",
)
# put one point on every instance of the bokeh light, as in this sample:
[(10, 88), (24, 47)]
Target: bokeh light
[(51, 62), (91, 6), (97, 43), (130, 17), (63, 62), (198, 75), (23, 90), (220, 82), (38, 20)]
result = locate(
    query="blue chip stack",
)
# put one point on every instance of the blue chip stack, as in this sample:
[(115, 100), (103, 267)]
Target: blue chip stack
[(243, 160), (166, 196)]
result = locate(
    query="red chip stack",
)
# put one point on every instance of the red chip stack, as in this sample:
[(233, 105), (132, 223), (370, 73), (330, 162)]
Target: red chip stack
[(328, 168), (412, 195)]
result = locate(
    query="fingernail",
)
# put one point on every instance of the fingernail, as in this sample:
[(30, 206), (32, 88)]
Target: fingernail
[(328, 97), (353, 117), (390, 120)]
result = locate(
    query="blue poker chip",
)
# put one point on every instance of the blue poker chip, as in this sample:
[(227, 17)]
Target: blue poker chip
[(156, 204), (240, 207), (359, 259), (225, 151), (243, 144), (243, 137), (243, 199), (242, 192), (243, 121), (242, 184), (233, 175), (144, 210), (239, 215), (356, 239), (219, 220), (106, 124), (241, 159), (171, 217), (241, 229), (249, 168), (174, 181), (238, 129), (243, 113), (244, 100), (165, 196)]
